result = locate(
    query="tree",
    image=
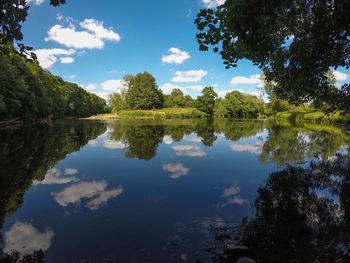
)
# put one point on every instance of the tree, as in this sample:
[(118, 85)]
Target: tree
[(28, 91), (206, 102), (294, 42), (276, 104), (292, 222), (13, 14), (117, 101), (142, 92), (189, 101), (243, 106), (176, 99)]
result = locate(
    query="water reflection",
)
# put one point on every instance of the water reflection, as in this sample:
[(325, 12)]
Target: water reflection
[(95, 192), (26, 239), (27, 156), (215, 165), (302, 215), (189, 150), (232, 196), (55, 176), (293, 144), (284, 142), (177, 170)]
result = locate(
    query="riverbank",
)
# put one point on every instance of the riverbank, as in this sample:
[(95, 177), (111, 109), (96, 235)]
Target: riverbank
[(314, 116), (166, 113), (193, 113)]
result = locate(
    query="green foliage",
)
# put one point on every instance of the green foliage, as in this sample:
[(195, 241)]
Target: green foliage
[(27, 154), (117, 102), (13, 14), (142, 140), (276, 104), (28, 91), (206, 102), (292, 195), (220, 109), (176, 99), (189, 102), (295, 43), (166, 113), (312, 116), (141, 114), (239, 105), (235, 130), (142, 92)]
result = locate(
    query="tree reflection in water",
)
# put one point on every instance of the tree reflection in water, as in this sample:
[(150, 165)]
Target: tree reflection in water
[(26, 155), (302, 215)]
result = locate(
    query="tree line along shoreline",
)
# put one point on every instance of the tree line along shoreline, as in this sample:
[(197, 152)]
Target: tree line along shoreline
[(30, 94), (141, 99)]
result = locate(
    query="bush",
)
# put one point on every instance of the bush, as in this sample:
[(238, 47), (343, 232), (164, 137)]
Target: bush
[(314, 116), (167, 113), (144, 114)]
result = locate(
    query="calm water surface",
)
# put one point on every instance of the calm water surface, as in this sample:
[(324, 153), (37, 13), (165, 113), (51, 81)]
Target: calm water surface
[(144, 191)]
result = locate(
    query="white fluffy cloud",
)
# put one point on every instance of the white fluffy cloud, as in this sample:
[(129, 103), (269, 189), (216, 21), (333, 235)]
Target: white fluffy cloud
[(189, 76), (96, 27), (67, 60), (254, 79), (340, 76), (114, 85), (105, 88), (92, 36), (95, 192), (189, 150), (26, 239), (176, 169), (212, 3), (48, 57), (69, 37), (176, 56), (35, 2)]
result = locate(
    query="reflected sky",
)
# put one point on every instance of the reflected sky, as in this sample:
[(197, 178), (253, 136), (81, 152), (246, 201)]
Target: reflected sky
[(176, 170), (55, 176), (133, 183), (26, 239)]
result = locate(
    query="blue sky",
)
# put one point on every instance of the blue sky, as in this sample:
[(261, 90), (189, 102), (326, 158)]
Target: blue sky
[(95, 43)]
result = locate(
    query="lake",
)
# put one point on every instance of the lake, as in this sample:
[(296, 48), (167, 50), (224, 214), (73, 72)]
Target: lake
[(162, 191)]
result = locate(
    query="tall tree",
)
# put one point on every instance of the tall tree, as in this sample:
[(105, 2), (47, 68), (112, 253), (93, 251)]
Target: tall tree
[(294, 42), (28, 91), (206, 101), (143, 92), (176, 99), (117, 101)]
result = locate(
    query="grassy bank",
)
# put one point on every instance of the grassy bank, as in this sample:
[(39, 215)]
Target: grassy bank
[(314, 116), (167, 113)]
